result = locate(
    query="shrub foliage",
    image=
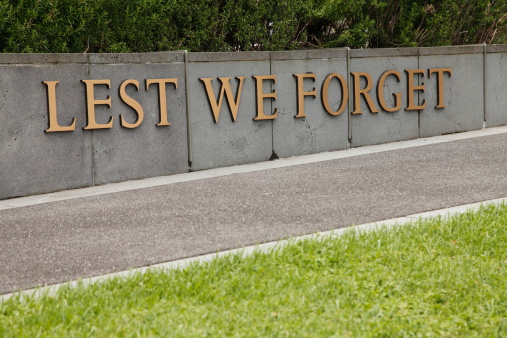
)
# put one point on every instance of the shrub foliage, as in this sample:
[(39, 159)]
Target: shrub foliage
[(79, 26)]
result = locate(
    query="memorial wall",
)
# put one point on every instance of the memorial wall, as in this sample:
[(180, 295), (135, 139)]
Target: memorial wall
[(79, 120)]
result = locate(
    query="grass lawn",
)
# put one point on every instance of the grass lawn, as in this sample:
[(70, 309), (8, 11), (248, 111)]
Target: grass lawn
[(437, 278)]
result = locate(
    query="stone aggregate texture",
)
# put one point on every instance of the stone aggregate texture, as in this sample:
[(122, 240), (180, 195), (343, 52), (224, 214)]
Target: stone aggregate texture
[(464, 106), (318, 131), (67, 240), (496, 85), (228, 142), (382, 127), (36, 162)]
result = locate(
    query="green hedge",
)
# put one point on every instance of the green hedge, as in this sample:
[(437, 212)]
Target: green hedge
[(79, 26)]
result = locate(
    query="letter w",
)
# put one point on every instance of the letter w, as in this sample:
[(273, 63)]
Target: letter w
[(215, 104)]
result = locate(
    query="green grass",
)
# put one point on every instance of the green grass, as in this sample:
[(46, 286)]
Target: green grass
[(432, 278)]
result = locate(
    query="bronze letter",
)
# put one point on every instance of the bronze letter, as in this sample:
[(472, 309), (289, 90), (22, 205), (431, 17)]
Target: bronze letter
[(412, 88), (325, 96), (380, 92), (225, 88), (301, 92), (365, 91), (52, 115), (260, 95), (91, 102), (131, 103), (162, 97), (440, 83)]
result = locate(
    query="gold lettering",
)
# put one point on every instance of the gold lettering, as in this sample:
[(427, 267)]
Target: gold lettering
[(91, 102), (131, 103), (225, 89), (380, 92), (440, 83), (325, 95), (162, 97), (260, 95), (412, 88), (301, 92), (365, 91), (53, 125)]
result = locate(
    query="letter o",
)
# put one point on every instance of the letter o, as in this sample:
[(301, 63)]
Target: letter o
[(325, 94)]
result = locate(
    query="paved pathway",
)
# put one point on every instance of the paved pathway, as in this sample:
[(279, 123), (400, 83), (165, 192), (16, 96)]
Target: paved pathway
[(70, 237)]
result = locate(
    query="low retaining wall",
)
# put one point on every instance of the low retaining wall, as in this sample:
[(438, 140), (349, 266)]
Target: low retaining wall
[(78, 120)]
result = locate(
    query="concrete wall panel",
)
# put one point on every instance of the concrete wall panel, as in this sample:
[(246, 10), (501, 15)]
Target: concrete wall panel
[(374, 128), (463, 92), (227, 143), (496, 86), (32, 161), (319, 131), (148, 150)]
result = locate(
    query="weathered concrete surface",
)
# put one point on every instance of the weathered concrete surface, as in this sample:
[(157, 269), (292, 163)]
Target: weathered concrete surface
[(319, 131), (32, 161), (382, 127), (463, 92), (35, 162), (62, 241), (496, 86), (227, 143), (148, 150)]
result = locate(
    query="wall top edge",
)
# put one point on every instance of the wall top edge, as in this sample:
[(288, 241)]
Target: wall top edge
[(157, 57), (496, 48), (98, 58), (227, 56), (266, 56), (42, 58), (332, 53), (451, 50), (384, 52)]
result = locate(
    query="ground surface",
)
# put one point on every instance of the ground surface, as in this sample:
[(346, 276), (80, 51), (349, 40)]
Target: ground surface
[(70, 239)]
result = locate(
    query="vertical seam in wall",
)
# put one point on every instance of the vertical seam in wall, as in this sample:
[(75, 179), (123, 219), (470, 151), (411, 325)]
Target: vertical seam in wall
[(92, 139), (349, 117), (419, 93), (272, 121), (187, 108), (484, 81)]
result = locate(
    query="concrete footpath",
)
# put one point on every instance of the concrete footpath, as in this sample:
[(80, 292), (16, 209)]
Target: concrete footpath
[(65, 236)]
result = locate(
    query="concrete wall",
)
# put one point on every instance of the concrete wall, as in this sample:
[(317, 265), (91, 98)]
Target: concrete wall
[(463, 90), (227, 143), (33, 161), (318, 131), (122, 154), (307, 120), (382, 127), (495, 70)]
